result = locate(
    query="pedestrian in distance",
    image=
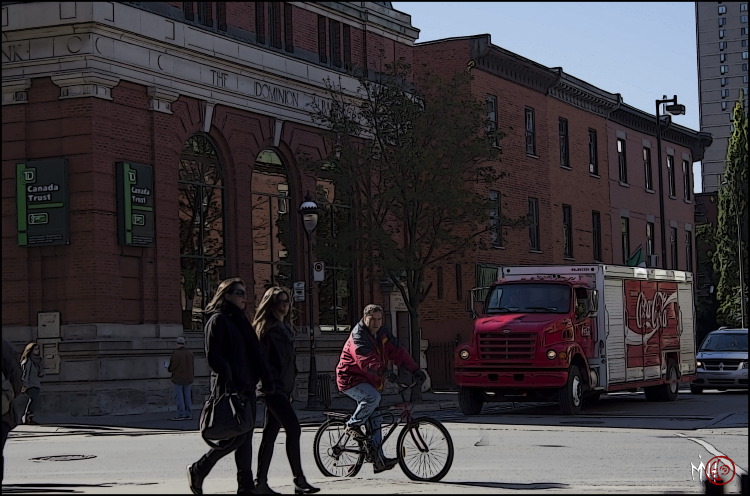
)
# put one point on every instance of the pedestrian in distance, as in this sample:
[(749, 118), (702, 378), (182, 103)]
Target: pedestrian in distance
[(181, 365), (276, 336), (11, 373), (32, 366), (361, 373), (236, 362)]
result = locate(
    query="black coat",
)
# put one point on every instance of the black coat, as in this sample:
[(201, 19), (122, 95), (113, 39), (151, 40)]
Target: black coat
[(278, 347), (233, 351)]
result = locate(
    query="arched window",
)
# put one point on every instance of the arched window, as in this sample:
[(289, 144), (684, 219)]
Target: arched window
[(272, 234), (201, 203)]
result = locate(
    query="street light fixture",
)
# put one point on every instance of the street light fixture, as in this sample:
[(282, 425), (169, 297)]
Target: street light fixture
[(309, 212), (673, 108)]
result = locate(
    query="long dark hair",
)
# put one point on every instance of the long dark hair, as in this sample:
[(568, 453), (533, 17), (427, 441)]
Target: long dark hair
[(267, 310), (225, 286)]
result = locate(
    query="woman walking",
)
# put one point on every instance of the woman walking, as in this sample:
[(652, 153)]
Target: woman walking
[(236, 362), (32, 367), (276, 337)]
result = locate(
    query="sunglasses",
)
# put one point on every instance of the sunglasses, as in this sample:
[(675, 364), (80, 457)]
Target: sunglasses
[(239, 292)]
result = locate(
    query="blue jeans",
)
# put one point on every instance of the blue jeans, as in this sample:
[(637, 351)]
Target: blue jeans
[(368, 399), (184, 403)]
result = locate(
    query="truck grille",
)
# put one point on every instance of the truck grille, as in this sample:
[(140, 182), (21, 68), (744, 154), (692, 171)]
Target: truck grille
[(716, 364), (496, 346)]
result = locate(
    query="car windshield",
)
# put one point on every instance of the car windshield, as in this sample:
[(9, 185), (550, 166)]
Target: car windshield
[(725, 342), (542, 298)]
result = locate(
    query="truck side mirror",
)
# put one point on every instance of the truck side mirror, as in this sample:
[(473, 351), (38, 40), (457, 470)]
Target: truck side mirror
[(593, 302)]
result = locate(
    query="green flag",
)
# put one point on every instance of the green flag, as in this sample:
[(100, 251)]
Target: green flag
[(636, 258)]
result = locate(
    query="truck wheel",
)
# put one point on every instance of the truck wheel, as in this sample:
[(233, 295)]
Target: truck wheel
[(470, 401), (665, 392), (570, 396)]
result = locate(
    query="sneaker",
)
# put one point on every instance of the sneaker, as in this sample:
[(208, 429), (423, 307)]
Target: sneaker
[(384, 464), (177, 418), (195, 481), (356, 432)]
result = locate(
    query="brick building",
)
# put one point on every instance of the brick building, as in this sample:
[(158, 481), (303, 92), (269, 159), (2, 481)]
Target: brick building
[(151, 149)]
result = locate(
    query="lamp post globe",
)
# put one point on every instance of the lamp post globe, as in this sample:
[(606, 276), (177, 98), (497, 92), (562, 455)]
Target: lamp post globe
[(309, 213)]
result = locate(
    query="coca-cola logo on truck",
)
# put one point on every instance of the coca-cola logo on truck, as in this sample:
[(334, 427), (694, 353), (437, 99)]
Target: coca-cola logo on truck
[(651, 325)]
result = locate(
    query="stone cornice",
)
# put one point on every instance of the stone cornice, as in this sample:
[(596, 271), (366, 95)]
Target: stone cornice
[(507, 65), (129, 44), (583, 95), (85, 84), (645, 123), (15, 91)]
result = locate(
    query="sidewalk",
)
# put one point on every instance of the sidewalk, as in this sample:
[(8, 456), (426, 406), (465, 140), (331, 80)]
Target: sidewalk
[(431, 401)]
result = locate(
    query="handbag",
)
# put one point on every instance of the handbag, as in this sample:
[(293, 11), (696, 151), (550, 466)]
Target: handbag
[(225, 415)]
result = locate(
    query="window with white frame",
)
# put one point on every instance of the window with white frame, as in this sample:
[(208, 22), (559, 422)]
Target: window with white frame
[(533, 219), (650, 238), (564, 143), (722, 21), (530, 131), (648, 173), (688, 251), (625, 238), (622, 160), (567, 231), (593, 153), (673, 246), (686, 173), (496, 226), (722, 9), (596, 234), (670, 175), (491, 101)]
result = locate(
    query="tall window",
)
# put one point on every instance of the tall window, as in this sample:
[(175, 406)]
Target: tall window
[(274, 23), (567, 231), (625, 238), (647, 172), (622, 160), (347, 31), (322, 40), (288, 28), (201, 213), (334, 28), (260, 22), (649, 238), (564, 144), (593, 153), (673, 246), (596, 233), (496, 226), (686, 172), (688, 251), (670, 175), (534, 243), (491, 102), (530, 132), (335, 291), (205, 13)]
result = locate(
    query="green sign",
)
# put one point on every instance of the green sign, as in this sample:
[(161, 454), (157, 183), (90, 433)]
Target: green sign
[(135, 204), (42, 202)]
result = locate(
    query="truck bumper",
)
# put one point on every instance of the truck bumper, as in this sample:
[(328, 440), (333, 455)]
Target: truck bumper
[(499, 379)]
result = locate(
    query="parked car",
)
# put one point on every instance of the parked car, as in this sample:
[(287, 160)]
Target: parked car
[(722, 361)]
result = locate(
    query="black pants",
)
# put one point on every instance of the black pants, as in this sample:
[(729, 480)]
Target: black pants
[(279, 412), (243, 457)]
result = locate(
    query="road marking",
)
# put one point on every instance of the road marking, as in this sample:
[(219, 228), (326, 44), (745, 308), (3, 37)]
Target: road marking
[(711, 450)]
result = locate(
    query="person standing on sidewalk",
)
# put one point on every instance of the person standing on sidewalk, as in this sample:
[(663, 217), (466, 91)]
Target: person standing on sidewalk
[(32, 366), (181, 366), (12, 373), (236, 363), (276, 338), (361, 373)]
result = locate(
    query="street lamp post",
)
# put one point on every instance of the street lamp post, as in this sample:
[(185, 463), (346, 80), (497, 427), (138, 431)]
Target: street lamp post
[(309, 212), (675, 109)]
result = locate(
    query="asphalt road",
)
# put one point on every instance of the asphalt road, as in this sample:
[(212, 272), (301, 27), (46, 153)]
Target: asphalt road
[(622, 445)]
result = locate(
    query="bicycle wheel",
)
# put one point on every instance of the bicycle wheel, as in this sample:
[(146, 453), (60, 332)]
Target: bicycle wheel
[(337, 454), (425, 450)]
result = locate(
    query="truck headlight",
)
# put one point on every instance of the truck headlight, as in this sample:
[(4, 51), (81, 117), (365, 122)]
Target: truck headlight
[(464, 354), (743, 365), (699, 364), (551, 354)]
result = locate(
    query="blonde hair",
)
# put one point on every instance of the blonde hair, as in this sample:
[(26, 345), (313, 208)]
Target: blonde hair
[(225, 286), (28, 349), (268, 310)]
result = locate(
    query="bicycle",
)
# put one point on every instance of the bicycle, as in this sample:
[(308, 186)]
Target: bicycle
[(424, 446)]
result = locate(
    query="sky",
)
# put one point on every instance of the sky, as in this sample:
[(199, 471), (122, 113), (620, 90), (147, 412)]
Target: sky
[(642, 50)]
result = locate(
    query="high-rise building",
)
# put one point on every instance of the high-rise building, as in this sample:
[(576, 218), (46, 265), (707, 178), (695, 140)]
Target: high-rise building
[(722, 46)]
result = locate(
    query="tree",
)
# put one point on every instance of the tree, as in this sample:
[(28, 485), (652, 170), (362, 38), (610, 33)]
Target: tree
[(410, 150), (731, 239)]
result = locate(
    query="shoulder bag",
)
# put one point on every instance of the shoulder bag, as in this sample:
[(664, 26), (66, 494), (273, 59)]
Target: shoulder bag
[(225, 415)]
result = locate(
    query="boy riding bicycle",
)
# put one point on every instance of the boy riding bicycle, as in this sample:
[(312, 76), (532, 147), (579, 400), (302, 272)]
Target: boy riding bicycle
[(361, 374)]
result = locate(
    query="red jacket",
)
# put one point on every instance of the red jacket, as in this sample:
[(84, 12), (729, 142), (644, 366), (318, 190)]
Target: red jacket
[(365, 358)]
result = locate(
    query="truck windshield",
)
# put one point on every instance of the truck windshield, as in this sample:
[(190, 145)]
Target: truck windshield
[(542, 298), (725, 342)]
